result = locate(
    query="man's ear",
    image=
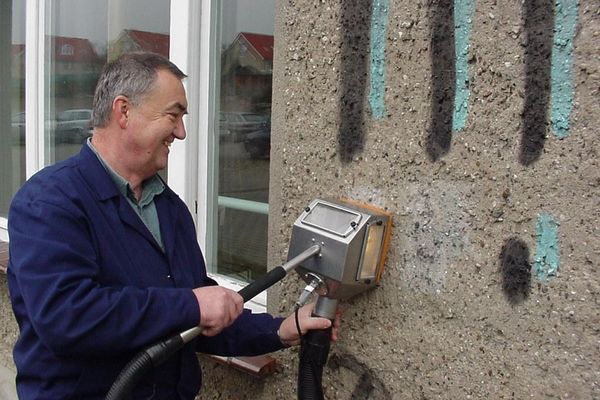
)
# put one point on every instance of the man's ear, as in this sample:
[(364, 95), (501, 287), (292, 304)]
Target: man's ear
[(120, 110)]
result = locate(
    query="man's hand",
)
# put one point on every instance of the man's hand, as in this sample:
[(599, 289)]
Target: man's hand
[(288, 332), (219, 307)]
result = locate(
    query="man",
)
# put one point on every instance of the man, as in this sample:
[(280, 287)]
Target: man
[(104, 260)]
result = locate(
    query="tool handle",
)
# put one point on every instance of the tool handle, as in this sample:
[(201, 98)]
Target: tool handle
[(155, 355), (262, 283)]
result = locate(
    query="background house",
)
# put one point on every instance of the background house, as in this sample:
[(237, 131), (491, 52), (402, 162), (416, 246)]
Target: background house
[(246, 73), (75, 67), (73, 55), (133, 40), (18, 61)]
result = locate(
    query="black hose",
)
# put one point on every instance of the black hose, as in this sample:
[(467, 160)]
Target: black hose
[(314, 350), (155, 355), (143, 362)]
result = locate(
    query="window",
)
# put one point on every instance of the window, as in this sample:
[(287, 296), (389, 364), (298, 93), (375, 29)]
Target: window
[(243, 130), (81, 36), (77, 37), (12, 112), (66, 50), (227, 50)]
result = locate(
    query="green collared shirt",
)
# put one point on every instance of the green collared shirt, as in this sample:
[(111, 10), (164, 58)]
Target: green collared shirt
[(145, 208)]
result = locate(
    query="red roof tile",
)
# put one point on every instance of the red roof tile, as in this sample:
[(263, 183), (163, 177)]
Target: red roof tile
[(151, 41), (18, 49), (263, 44), (72, 49)]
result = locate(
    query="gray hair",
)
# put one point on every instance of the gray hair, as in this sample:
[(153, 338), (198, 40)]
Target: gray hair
[(131, 75)]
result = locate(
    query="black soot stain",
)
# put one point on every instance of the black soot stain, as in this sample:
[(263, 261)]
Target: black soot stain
[(538, 24), (355, 22), (515, 270), (443, 79)]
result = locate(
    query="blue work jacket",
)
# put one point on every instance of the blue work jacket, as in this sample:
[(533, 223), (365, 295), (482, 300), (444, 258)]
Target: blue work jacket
[(90, 288)]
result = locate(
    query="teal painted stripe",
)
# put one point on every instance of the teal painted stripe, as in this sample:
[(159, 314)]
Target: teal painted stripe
[(547, 257), (565, 21), (463, 19), (379, 20)]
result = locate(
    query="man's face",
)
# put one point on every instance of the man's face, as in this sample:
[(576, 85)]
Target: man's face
[(155, 123)]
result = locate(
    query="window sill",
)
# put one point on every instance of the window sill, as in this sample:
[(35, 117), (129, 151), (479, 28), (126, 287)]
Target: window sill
[(258, 304), (258, 366), (3, 256)]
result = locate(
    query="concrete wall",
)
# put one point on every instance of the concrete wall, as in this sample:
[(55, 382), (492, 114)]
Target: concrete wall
[(8, 336), (472, 137), (491, 286), (8, 329)]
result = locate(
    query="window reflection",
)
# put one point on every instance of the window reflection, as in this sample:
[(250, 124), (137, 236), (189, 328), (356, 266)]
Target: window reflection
[(82, 35), (75, 66), (244, 133), (12, 93)]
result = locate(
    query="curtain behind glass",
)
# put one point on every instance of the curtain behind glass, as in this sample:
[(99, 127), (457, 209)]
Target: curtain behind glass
[(12, 101)]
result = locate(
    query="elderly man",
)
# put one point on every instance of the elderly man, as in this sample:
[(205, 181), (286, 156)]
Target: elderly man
[(104, 259)]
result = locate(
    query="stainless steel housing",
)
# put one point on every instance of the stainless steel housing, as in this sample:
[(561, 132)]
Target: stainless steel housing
[(351, 245)]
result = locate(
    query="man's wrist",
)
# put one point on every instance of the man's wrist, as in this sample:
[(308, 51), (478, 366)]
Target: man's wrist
[(285, 343)]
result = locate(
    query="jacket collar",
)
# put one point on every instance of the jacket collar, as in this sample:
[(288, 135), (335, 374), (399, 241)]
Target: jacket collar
[(98, 179), (96, 176)]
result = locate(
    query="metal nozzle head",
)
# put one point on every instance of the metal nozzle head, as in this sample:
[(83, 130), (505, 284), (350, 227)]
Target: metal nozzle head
[(315, 282)]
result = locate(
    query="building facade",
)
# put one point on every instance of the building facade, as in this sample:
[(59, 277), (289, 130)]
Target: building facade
[(473, 123)]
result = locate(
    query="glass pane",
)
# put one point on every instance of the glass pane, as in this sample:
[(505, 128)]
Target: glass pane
[(12, 93), (82, 36), (333, 219), (244, 130)]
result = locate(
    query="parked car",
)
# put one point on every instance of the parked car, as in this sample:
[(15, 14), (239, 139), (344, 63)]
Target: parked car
[(258, 143), (234, 125), (18, 128), (73, 126)]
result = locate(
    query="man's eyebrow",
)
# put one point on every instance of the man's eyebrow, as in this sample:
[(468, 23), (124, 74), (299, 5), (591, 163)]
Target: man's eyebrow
[(178, 106)]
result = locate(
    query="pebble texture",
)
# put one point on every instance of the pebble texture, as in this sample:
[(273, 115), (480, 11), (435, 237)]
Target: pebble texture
[(8, 335), (461, 312)]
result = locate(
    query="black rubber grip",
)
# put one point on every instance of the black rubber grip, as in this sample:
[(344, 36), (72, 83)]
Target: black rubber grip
[(162, 351), (262, 283), (143, 362)]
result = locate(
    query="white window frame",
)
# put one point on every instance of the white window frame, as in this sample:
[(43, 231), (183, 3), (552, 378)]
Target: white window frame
[(3, 229), (34, 96), (191, 173)]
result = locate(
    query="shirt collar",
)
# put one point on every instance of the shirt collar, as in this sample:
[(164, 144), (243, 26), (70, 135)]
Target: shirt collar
[(151, 187)]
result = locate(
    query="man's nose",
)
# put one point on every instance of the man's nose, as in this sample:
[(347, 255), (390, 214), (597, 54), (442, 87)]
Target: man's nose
[(180, 130)]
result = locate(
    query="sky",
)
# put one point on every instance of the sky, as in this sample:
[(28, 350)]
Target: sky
[(89, 19), (238, 17)]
